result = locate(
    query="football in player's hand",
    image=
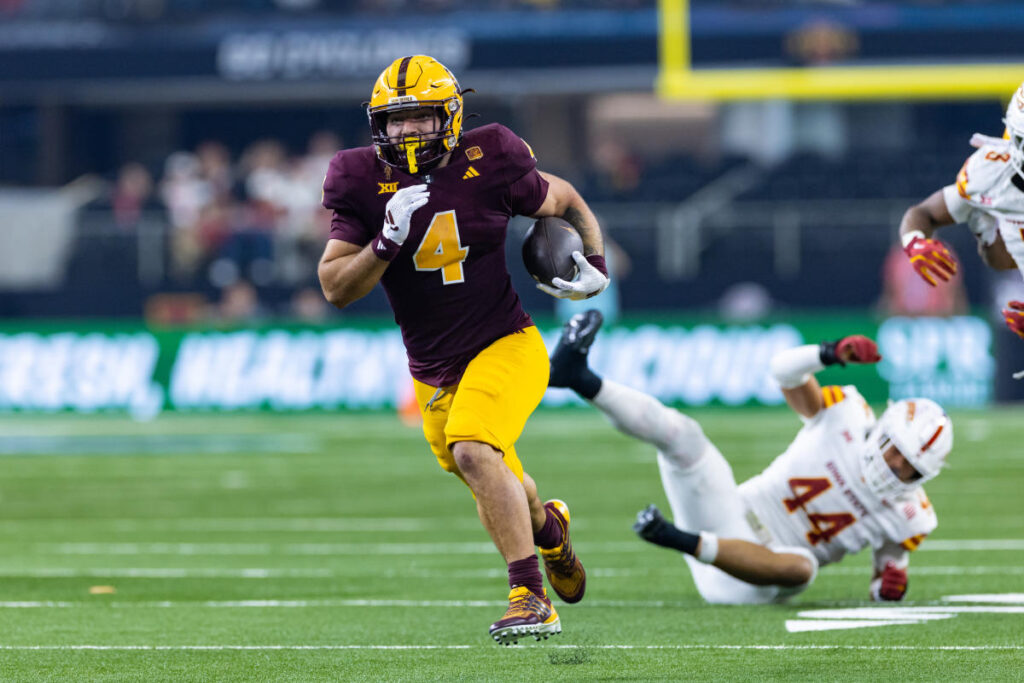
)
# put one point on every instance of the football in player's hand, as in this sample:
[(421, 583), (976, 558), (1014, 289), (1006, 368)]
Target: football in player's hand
[(548, 248)]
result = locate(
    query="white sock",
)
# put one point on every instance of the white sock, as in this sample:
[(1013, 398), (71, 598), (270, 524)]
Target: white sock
[(642, 416), (708, 547)]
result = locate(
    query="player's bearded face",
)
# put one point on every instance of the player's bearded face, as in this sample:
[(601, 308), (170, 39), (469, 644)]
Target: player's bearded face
[(404, 124), (900, 466)]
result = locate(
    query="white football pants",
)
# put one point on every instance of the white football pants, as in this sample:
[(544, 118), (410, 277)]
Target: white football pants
[(699, 484)]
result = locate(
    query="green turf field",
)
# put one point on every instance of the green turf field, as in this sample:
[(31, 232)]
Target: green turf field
[(333, 548)]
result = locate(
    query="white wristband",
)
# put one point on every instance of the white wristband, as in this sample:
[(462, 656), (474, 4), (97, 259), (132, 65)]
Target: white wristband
[(708, 547), (908, 237)]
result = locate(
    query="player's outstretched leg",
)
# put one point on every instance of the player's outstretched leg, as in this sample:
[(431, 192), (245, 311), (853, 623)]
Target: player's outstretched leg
[(564, 570), (528, 614), (569, 361)]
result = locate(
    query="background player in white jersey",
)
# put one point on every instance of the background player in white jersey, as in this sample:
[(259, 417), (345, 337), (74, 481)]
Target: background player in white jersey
[(846, 482), (988, 196)]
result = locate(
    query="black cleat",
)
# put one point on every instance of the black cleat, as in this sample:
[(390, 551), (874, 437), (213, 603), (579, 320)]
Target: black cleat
[(649, 523), (579, 332), (569, 360)]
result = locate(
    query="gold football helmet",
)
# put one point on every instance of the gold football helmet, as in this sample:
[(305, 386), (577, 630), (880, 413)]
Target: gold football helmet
[(410, 83)]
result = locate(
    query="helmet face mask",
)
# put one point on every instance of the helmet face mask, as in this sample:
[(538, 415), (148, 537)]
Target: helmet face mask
[(921, 432), (411, 83)]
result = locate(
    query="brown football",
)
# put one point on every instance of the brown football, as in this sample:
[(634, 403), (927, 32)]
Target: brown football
[(547, 250)]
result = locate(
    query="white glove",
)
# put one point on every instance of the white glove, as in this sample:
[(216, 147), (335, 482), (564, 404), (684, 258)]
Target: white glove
[(589, 282), (398, 212)]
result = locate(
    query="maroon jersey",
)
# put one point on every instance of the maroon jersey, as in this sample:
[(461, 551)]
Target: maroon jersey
[(449, 286)]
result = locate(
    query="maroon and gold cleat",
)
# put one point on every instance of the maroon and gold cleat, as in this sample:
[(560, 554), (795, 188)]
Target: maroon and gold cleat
[(564, 570), (528, 614)]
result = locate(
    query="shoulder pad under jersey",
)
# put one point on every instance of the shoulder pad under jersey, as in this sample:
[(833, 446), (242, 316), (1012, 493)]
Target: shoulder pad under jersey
[(350, 175), (498, 146), (982, 171)]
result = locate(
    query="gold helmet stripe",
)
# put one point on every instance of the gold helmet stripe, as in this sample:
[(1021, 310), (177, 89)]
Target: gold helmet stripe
[(402, 73)]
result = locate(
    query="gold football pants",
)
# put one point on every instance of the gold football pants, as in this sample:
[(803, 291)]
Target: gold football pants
[(501, 387)]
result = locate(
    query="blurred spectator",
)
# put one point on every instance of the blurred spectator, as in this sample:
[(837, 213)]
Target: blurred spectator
[(619, 170), (309, 305), (905, 293), (173, 308), (186, 195), (260, 218), (745, 302), (307, 223), (239, 303), (133, 194), (246, 248), (215, 168), (239, 233), (265, 173), (129, 197)]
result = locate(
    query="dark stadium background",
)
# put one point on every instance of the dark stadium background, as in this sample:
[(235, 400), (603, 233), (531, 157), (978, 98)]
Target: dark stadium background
[(801, 198)]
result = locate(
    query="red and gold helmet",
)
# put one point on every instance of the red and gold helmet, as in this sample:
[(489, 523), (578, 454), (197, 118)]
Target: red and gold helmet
[(413, 83)]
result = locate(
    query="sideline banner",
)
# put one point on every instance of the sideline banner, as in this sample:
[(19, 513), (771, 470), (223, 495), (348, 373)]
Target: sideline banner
[(682, 361)]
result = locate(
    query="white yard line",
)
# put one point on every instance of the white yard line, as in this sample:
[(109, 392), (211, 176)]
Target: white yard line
[(330, 602), (188, 573), (489, 646), (490, 573), (51, 604), (933, 571), (364, 549), (973, 544), (247, 524)]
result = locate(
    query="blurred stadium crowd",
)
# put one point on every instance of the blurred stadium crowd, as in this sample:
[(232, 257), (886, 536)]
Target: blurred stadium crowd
[(191, 189), (196, 225), (255, 217), (162, 10)]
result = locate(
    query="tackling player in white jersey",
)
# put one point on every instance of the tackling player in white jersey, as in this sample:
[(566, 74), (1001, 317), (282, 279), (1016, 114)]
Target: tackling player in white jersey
[(988, 196), (846, 483)]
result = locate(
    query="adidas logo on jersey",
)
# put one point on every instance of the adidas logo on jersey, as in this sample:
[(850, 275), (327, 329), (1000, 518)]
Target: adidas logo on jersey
[(470, 173)]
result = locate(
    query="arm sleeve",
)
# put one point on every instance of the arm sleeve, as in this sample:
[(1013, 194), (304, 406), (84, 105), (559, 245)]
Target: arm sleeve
[(793, 367)]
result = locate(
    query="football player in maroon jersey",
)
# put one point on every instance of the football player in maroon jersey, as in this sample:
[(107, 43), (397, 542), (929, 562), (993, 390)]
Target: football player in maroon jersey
[(424, 211)]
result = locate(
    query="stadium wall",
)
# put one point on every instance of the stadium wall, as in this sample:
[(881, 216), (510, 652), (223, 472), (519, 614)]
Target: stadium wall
[(684, 361)]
